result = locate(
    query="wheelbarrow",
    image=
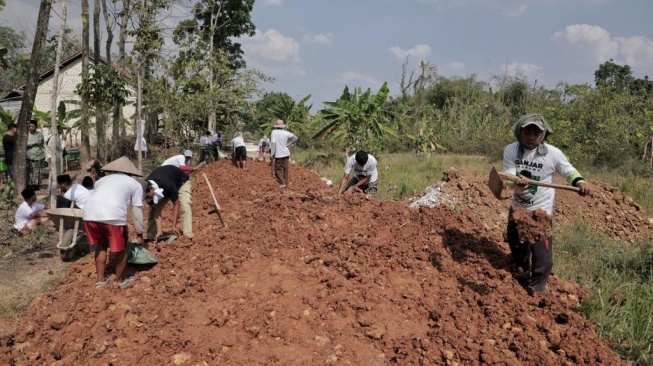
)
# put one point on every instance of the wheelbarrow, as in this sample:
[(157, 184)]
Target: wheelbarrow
[(70, 223)]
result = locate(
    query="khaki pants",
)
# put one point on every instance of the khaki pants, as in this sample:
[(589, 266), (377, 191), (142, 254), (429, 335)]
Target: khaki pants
[(185, 200)]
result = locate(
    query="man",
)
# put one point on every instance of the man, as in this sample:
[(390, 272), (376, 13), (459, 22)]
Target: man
[(30, 214), (71, 192), (35, 155), (531, 158), (205, 142), (365, 174), (280, 141), (181, 161), (239, 151), (168, 183), (105, 217), (263, 144), (8, 144)]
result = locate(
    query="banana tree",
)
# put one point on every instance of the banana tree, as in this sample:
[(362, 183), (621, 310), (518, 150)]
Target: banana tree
[(294, 114), (358, 120), (7, 118)]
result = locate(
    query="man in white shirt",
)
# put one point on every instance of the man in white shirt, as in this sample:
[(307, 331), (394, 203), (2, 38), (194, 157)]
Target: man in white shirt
[(181, 161), (263, 145), (72, 192), (365, 174), (239, 151), (30, 214), (105, 217), (280, 141), (530, 158), (205, 142)]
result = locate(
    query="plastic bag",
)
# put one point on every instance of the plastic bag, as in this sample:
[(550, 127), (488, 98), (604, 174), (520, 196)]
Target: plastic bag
[(139, 255)]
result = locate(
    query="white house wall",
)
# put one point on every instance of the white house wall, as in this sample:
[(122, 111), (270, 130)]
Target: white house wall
[(69, 77)]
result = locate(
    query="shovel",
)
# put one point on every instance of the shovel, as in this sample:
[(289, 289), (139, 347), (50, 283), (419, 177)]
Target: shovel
[(496, 183), (215, 201)]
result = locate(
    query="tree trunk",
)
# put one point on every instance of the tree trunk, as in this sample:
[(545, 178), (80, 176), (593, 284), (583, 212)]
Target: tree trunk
[(83, 121), (55, 143), (115, 115), (100, 118), (31, 86), (121, 62)]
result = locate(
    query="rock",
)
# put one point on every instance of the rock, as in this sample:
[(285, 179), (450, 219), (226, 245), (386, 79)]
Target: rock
[(447, 354), (331, 359), (376, 331), (57, 321), (506, 326), (180, 358), (322, 340)]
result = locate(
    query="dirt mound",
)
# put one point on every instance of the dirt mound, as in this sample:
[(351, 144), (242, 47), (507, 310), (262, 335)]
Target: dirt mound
[(304, 277)]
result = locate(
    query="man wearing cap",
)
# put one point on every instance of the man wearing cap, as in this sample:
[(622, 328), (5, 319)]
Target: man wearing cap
[(239, 151), (365, 174), (105, 217), (280, 141), (530, 158), (168, 183), (181, 161), (71, 192)]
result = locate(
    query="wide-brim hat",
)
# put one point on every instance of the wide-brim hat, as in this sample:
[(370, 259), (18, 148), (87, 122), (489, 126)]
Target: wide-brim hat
[(279, 123), (122, 165)]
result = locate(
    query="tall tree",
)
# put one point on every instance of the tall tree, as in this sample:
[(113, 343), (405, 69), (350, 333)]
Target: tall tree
[(55, 143), (16, 59), (30, 94), (83, 121)]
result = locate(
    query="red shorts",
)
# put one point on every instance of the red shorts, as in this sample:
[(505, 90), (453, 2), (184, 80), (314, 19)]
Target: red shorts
[(116, 235)]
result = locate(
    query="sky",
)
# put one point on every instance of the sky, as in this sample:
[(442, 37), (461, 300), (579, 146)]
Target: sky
[(318, 47)]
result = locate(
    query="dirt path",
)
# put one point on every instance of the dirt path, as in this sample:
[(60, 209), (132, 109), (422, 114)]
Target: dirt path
[(304, 277)]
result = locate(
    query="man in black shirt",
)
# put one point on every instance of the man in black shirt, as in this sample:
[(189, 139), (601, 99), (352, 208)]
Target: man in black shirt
[(8, 142), (168, 183)]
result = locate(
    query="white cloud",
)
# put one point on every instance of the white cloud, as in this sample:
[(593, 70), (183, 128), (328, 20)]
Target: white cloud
[(456, 65), (366, 80), (271, 2), (597, 42), (272, 45), (420, 52), (530, 71), (326, 38)]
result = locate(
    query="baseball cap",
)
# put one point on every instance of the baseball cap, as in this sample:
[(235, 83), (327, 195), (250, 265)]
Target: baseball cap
[(536, 120), (188, 154)]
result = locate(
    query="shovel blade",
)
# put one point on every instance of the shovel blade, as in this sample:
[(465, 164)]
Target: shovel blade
[(495, 183)]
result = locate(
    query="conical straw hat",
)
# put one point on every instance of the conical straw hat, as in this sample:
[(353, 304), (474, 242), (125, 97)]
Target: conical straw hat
[(123, 165)]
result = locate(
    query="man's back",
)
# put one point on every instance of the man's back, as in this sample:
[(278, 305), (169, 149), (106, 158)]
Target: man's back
[(111, 197)]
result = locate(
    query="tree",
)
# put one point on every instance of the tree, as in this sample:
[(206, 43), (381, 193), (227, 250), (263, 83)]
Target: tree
[(294, 114), (84, 106), (357, 120), (30, 94), (15, 59)]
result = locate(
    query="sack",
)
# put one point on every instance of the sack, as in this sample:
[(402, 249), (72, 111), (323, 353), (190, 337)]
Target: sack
[(139, 255)]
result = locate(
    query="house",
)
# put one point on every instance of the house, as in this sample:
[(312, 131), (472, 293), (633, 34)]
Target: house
[(70, 75)]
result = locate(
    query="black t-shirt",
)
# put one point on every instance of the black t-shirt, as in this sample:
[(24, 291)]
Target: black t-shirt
[(170, 178), (8, 143)]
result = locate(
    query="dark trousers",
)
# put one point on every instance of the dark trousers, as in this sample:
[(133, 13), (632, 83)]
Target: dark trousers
[(536, 258), (281, 170)]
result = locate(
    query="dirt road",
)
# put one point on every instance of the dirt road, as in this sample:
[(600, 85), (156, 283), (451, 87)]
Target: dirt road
[(304, 277)]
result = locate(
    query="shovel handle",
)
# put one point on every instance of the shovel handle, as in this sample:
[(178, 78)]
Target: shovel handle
[(514, 178)]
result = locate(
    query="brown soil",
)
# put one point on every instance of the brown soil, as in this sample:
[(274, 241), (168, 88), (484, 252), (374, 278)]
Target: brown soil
[(304, 277), (532, 226)]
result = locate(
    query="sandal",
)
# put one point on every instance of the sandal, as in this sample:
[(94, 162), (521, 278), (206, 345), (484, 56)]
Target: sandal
[(102, 283), (126, 283)]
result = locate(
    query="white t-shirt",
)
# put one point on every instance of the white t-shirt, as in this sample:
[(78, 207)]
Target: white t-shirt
[(367, 170), (78, 194), (237, 142), (22, 214), (204, 140), (279, 143), (111, 197), (177, 160), (263, 143), (536, 167)]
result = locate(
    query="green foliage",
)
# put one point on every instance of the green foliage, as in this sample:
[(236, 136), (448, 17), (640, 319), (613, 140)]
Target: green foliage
[(294, 114), (104, 87), (7, 118), (358, 120), (620, 279)]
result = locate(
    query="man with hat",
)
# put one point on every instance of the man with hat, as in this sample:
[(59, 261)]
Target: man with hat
[(71, 192), (239, 151), (530, 158), (280, 141), (168, 183), (181, 161), (105, 217)]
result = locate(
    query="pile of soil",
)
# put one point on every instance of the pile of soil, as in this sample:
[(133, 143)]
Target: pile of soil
[(302, 276), (532, 226)]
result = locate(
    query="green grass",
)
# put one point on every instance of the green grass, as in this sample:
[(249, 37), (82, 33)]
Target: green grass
[(400, 175), (619, 278)]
